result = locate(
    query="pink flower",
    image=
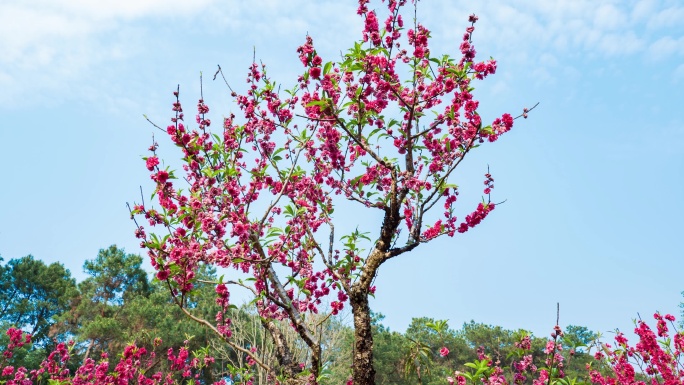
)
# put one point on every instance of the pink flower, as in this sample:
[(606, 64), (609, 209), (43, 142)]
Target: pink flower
[(162, 275), (550, 345), (222, 290), (152, 162), (161, 177), (444, 351), (315, 72), (8, 370), (433, 231)]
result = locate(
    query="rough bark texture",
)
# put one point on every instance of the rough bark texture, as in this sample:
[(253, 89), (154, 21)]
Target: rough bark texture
[(287, 364), (363, 371)]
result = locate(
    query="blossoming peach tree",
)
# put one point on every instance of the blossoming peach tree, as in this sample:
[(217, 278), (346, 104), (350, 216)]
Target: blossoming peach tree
[(382, 129)]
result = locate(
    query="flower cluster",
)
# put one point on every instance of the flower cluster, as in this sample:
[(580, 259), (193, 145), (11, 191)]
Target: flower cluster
[(487, 371), (134, 366), (17, 339), (473, 219), (660, 360), (655, 359)]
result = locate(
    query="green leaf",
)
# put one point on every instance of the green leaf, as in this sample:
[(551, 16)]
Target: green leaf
[(320, 103), (274, 231), (373, 132)]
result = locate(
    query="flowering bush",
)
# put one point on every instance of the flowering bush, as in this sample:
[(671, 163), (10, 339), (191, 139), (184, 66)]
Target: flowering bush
[(655, 359), (384, 128), (135, 366)]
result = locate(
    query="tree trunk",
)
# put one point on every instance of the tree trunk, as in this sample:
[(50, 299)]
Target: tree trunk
[(363, 372), (286, 361), (90, 347)]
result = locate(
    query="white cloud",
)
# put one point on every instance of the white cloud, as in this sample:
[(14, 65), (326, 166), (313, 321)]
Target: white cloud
[(666, 18), (325, 21), (49, 45), (620, 43), (525, 31), (609, 18), (98, 11), (24, 31), (601, 28), (642, 10), (52, 43), (666, 46), (26, 25)]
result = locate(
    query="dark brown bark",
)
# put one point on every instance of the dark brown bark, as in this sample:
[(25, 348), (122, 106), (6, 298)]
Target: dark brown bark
[(363, 372)]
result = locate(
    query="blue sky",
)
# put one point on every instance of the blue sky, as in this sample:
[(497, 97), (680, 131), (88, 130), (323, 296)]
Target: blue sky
[(593, 180)]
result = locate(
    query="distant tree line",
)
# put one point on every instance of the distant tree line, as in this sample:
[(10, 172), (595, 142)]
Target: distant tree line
[(118, 304)]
